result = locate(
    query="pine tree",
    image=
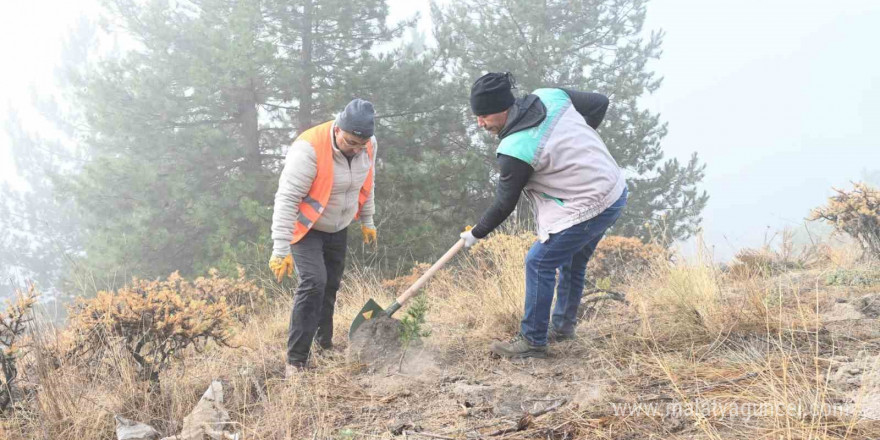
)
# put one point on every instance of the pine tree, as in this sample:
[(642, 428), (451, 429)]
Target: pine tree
[(430, 180), (40, 228), (42, 234), (182, 135), (187, 130)]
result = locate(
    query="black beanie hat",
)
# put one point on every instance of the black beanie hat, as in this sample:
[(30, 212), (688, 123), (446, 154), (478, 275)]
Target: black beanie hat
[(491, 93)]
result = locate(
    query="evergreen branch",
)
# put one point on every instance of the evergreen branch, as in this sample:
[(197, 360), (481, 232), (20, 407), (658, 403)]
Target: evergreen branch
[(279, 106), (200, 123)]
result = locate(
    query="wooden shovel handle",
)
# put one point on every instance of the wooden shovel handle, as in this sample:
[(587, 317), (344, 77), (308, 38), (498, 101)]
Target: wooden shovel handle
[(424, 278)]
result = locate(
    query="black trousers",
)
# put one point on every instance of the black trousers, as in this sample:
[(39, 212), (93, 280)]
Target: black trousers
[(319, 259)]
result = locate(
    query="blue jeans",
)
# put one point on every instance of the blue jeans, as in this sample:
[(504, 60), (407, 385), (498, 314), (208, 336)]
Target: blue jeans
[(568, 251)]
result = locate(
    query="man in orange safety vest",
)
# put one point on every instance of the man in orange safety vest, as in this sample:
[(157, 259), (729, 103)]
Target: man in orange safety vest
[(327, 182)]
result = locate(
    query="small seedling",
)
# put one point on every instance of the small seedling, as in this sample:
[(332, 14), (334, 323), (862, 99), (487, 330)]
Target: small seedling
[(412, 326)]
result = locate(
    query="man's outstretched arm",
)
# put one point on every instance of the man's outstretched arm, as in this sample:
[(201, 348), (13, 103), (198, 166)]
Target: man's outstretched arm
[(513, 176)]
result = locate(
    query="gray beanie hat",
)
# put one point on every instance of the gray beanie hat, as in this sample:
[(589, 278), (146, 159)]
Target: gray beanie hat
[(357, 118)]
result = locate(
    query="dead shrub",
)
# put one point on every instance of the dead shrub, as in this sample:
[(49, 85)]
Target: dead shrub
[(494, 253), (153, 320), (484, 291), (756, 262), (403, 282), (690, 297), (14, 324), (242, 293), (856, 213), (771, 260), (619, 259)]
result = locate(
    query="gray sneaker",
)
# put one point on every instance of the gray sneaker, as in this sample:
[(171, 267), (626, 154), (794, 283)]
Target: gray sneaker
[(518, 348), (557, 336)]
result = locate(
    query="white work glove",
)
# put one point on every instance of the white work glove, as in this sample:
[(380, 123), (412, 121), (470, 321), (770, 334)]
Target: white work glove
[(469, 239)]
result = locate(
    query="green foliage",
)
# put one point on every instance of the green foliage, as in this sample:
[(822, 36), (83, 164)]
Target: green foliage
[(253, 258), (346, 434), (181, 137), (604, 283), (431, 177), (852, 277), (42, 230), (412, 326), (186, 131), (41, 226)]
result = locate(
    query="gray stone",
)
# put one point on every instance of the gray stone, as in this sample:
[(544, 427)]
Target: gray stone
[(130, 430), (869, 305), (209, 420)]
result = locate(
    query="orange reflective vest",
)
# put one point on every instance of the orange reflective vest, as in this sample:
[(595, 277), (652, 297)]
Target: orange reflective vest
[(313, 204)]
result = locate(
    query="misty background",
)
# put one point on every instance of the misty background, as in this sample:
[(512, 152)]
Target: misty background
[(779, 100)]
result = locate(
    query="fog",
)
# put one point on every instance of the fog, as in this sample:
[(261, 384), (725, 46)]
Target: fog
[(778, 99)]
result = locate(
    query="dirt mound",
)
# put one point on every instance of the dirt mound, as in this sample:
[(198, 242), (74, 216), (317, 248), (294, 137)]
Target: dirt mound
[(842, 311), (866, 306), (376, 340), (860, 378)]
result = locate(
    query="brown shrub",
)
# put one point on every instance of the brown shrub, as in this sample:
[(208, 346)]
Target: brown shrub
[(240, 293), (756, 262), (13, 325), (403, 282), (770, 260), (153, 320), (622, 258), (502, 247), (856, 213)]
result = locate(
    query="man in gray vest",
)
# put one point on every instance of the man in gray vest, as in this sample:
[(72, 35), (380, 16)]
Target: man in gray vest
[(549, 151)]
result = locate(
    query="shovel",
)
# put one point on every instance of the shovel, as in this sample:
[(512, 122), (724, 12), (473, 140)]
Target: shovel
[(372, 310)]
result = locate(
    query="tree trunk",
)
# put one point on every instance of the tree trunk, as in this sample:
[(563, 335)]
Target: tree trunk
[(304, 118), (248, 119)]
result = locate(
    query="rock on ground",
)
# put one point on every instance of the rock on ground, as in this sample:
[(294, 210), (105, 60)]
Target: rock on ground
[(209, 420), (130, 430), (869, 305)]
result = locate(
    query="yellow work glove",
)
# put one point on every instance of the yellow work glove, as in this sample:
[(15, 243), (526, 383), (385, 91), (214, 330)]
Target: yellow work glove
[(281, 266), (370, 235)]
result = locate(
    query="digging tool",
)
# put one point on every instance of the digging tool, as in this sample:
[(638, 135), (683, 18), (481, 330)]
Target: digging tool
[(373, 310)]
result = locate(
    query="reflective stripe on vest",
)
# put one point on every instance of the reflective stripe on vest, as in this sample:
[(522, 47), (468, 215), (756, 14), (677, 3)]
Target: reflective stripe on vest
[(303, 220), (313, 204)]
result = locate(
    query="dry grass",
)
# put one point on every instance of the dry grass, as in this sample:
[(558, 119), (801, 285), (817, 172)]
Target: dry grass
[(697, 353)]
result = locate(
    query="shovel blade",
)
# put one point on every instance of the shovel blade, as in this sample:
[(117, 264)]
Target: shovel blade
[(369, 311)]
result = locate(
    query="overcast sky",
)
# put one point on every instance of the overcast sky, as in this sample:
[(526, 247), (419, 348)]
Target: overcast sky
[(780, 98)]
